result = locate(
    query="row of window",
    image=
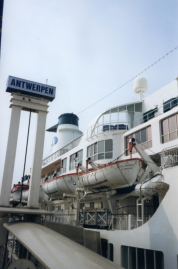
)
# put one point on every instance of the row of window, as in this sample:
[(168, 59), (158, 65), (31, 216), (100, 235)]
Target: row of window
[(142, 137), (169, 128), (141, 258), (97, 151), (169, 132), (100, 150), (104, 149)]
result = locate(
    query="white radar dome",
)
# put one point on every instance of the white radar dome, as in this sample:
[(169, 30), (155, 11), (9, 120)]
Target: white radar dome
[(140, 85)]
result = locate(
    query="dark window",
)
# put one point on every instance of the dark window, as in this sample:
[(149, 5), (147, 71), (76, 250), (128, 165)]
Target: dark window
[(92, 205), (100, 150), (111, 252), (138, 107), (104, 247), (137, 137), (169, 128), (64, 165), (143, 137), (75, 159), (146, 258), (82, 206), (117, 203), (170, 104)]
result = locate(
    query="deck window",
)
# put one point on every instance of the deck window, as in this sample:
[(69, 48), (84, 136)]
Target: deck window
[(101, 150), (117, 119), (143, 137), (169, 128), (64, 165), (75, 159), (141, 258)]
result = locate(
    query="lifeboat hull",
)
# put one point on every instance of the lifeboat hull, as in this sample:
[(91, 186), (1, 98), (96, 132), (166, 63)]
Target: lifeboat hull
[(62, 184), (15, 195), (42, 196), (115, 175)]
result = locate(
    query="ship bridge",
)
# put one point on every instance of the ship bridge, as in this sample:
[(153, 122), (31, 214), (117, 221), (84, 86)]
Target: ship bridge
[(119, 118)]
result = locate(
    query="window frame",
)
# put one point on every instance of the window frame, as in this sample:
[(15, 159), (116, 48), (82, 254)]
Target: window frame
[(169, 133), (76, 156), (141, 143), (97, 152)]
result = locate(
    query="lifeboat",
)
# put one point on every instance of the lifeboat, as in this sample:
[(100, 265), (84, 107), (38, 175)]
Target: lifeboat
[(16, 191), (62, 184), (42, 196), (115, 175)]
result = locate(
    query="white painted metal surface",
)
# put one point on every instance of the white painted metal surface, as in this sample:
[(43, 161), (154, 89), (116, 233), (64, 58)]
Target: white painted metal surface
[(65, 134), (54, 250), (22, 264), (33, 197)]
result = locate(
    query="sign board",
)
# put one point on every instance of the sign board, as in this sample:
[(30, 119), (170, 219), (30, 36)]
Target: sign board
[(30, 88)]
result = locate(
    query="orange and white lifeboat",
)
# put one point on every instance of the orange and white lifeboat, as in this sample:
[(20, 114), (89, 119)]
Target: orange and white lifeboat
[(16, 191), (119, 174)]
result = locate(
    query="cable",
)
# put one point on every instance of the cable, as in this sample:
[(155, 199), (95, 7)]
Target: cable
[(25, 156), (129, 80)]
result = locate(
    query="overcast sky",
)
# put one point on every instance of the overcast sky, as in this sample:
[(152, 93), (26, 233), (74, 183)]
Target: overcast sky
[(87, 49)]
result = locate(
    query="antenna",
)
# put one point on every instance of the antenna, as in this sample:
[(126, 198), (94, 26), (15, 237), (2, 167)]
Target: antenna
[(46, 81)]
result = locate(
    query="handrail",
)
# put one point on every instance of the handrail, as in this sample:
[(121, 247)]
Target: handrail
[(97, 129), (160, 110), (62, 151)]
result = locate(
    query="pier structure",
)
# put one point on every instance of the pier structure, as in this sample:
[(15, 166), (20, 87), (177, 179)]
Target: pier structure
[(33, 97)]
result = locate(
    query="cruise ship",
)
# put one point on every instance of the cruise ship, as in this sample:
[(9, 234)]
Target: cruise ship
[(119, 178)]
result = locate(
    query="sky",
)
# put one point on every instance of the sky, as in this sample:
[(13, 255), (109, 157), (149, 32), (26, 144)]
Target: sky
[(86, 49)]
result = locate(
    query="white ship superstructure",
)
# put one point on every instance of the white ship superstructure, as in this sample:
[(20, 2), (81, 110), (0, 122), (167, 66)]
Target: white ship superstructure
[(133, 194)]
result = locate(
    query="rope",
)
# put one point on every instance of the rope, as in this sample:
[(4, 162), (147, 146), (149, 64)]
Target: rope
[(129, 80), (25, 155)]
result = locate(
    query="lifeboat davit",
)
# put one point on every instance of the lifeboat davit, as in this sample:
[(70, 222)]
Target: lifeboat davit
[(115, 175)]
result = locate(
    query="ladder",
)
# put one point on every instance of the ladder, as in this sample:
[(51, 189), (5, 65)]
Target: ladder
[(140, 204)]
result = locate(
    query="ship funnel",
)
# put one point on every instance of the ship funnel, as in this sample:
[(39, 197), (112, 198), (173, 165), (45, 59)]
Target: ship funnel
[(140, 86), (67, 130)]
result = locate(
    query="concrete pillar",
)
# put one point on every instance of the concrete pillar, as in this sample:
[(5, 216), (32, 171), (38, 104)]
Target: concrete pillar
[(33, 197), (10, 156)]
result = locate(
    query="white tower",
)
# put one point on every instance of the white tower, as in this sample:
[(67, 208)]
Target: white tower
[(140, 86)]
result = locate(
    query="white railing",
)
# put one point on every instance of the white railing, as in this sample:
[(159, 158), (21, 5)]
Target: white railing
[(169, 157), (156, 112), (107, 126), (118, 125), (62, 218), (61, 151), (122, 222)]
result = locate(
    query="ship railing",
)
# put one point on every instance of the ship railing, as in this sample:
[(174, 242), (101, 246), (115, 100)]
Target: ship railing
[(113, 125), (104, 218), (156, 111), (108, 126), (125, 222), (61, 151), (169, 157), (62, 218), (94, 218)]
